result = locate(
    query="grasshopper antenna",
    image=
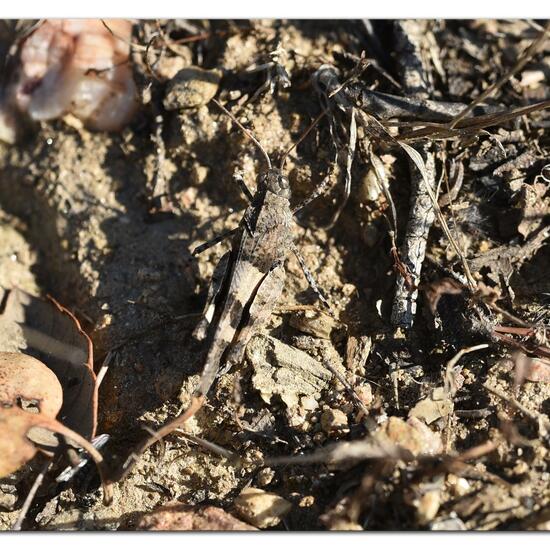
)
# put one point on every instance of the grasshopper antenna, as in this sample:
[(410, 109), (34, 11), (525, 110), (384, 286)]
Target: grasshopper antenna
[(303, 136), (248, 133)]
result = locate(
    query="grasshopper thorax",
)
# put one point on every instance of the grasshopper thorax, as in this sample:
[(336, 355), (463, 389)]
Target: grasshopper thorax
[(274, 181)]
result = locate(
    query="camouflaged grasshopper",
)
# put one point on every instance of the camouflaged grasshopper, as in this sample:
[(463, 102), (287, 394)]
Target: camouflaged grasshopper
[(249, 279)]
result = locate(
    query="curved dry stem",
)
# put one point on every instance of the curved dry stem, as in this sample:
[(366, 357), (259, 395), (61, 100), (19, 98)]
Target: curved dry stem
[(196, 403)]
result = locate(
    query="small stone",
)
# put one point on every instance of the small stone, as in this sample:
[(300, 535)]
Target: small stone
[(191, 87), (412, 435), (260, 508), (448, 524), (364, 392), (334, 420), (342, 524), (309, 403), (8, 497), (521, 468), (314, 322), (72, 121), (307, 501), (348, 290), (168, 67), (427, 506), (105, 321), (265, 477), (531, 79), (187, 197), (181, 517), (458, 485), (199, 174), (295, 417)]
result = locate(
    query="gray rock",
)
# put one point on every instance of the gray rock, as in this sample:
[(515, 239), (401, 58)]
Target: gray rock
[(280, 369), (191, 87), (334, 420), (8, 497)]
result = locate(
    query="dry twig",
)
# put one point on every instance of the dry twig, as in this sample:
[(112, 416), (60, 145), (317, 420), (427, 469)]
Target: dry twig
[(421, 213)]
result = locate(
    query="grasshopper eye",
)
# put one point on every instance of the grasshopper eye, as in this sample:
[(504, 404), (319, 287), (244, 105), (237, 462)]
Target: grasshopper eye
[(284, 186)]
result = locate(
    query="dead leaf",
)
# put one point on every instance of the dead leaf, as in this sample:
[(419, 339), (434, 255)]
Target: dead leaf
[(51, 334), (16, 448), (27, 383)]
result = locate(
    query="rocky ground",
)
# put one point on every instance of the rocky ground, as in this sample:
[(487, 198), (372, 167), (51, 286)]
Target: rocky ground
[(106, 222)]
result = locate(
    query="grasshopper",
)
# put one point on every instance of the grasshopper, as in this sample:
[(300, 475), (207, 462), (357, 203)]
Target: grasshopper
[(248, 280), (250, 277)]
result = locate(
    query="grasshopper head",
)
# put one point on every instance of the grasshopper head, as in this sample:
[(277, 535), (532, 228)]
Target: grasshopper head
[(274, 181)]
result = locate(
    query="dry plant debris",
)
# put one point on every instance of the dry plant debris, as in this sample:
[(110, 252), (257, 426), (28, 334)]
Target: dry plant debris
[(32, 395), (284, 371), (51, 333)]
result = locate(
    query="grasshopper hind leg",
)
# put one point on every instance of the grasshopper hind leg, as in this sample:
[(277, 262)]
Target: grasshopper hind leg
[(259, 311), (216, 284)]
